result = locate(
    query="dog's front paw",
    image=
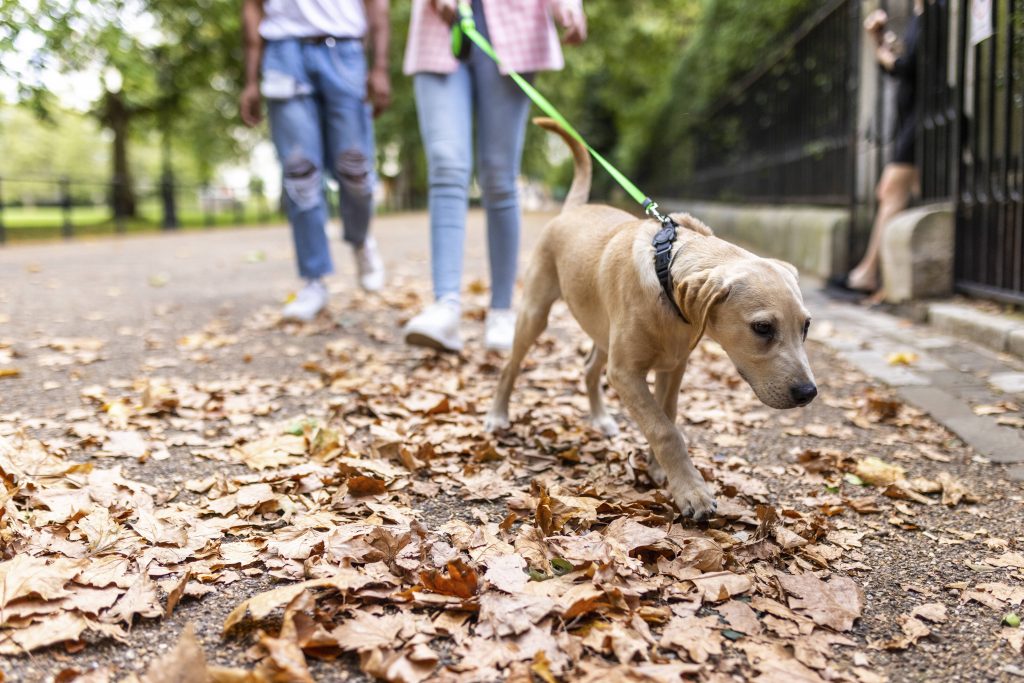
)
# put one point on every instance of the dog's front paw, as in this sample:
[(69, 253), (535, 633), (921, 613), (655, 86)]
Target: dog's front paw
[(694, 500), (495, 422), (605, 424)]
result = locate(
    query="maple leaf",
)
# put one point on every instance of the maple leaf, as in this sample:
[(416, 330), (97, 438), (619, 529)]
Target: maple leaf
[(284, 655), (719, 586), (461, 581), (399, 667), (506, 572), (366, 632), (259, 606), (185, 663), (141, 598), (740, 617), (698, 636), (26, 575), (505, 615), (56, 629), (836, 604)]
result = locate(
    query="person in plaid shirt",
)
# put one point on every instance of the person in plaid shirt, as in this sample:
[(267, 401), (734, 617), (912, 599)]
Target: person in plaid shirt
[(450, 97)]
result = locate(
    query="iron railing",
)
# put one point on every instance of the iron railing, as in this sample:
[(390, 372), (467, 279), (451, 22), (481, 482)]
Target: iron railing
[(990, 201), (939, 75), (784, 133)]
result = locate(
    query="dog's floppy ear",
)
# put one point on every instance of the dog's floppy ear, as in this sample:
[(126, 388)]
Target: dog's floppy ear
[(787, 266), (697, 296)]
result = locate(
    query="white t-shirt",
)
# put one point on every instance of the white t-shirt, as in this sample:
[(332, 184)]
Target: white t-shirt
[(306, 18)]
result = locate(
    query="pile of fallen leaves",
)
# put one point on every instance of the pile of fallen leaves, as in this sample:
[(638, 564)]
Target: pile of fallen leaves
[(410, 542)]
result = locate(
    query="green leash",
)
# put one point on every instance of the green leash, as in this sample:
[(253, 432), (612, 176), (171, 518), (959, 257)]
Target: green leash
[(465, 27)]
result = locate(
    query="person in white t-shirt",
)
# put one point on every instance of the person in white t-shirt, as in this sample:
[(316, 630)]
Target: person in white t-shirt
[(307, 59)]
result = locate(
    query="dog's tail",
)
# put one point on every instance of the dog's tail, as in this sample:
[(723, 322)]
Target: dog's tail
[(579, 191)]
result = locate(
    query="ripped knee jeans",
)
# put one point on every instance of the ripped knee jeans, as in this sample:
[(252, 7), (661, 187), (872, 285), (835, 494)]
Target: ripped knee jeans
[(322, 127)]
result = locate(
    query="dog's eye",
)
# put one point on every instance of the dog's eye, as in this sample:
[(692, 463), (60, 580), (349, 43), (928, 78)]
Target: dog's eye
[(807, 327), (763, 328)]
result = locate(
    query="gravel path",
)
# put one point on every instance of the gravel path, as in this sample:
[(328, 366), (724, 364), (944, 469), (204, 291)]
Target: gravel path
[(144, 295)]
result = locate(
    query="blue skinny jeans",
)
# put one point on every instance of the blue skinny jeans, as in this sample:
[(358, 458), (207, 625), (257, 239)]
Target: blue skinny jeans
[(447, 105)]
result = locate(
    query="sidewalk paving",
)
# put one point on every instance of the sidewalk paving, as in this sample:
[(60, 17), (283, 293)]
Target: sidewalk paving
[(976, 393), (201, 306)]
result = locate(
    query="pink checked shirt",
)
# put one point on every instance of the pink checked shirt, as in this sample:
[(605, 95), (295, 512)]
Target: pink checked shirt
[(522, 32)]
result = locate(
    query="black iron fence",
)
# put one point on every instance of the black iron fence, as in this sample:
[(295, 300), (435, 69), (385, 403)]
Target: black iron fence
[(990, 197), (971, 141), (785, 132), (939, 75), (47, 207)]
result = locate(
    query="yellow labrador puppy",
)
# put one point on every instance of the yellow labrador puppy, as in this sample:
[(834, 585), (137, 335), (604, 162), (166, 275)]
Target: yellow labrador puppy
[(601, 261)]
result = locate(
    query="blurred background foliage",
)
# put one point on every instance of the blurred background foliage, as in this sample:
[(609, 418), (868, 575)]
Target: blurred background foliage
[(161, 77)]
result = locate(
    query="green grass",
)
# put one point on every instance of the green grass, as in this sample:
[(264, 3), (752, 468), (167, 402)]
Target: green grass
[(41, 223)]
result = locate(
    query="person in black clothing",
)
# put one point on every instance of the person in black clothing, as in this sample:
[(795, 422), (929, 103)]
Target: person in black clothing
[(900, 180)]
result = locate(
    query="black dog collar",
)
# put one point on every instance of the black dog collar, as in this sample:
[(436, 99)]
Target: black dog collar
[(662, 243)]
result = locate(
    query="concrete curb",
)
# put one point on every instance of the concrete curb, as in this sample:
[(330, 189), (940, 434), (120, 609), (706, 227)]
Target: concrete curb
[(1001, 333)]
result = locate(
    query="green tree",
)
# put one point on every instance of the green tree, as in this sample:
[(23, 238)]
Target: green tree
[(730, 38), (165, 65)]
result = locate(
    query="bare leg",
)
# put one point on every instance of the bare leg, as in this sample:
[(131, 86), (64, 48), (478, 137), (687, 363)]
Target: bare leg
[(683, 482), (894, 191), (599, 417)]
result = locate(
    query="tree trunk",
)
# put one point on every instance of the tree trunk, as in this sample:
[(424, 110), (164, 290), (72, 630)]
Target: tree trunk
[(167, 182), (117, 117)]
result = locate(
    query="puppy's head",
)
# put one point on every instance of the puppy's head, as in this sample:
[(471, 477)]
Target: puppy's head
[(753, 308)]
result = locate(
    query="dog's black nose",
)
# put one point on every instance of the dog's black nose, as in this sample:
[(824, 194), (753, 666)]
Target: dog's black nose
[(803, 393)]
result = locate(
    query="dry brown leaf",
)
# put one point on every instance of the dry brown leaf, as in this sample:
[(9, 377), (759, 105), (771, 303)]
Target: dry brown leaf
[(913, 631), (141, 598), (697, 636), (877, 472), (836, 604), (284, 656), (25, 575), (56, 629), (740, 617), (934, 612), (186, 663), (506, 572), (367, 632), (261, 605), (460, 582), (719, 586), (1014, 637), (174, 595)]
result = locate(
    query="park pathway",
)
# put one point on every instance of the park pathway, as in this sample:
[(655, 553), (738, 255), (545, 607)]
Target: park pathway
[(87, 324)]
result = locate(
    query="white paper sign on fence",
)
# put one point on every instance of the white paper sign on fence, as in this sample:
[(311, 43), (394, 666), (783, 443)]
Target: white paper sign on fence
[(981, 21)]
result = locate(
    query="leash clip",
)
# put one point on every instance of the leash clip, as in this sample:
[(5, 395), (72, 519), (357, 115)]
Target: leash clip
[(662, 243)]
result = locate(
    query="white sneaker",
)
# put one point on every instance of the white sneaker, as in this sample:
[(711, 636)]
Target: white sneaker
[(437, 327), (308, 303), (500, 329), (369, 265)]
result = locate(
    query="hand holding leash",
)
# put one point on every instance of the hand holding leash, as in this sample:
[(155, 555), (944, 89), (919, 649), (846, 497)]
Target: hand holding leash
[(570, 16), (448, 9)]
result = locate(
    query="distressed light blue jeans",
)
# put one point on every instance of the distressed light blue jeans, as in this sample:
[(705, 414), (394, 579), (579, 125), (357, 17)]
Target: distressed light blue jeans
[(446, 104), (320, 120)]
